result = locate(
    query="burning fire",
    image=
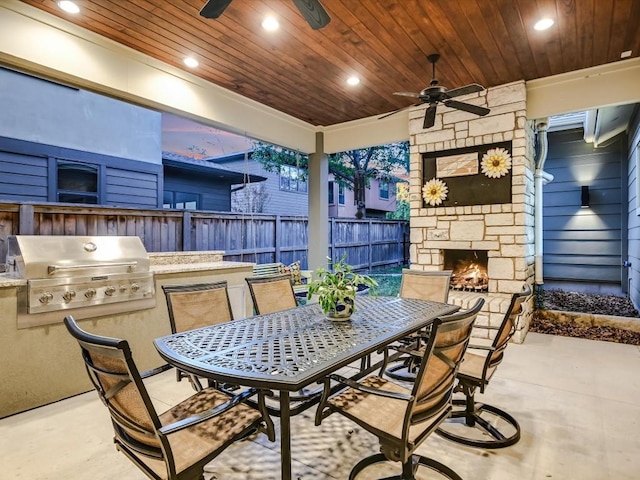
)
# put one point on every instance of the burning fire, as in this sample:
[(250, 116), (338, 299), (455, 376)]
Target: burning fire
[(469, 275)]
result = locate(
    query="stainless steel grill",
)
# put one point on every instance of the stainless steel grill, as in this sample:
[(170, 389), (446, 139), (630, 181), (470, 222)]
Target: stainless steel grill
[(89, 276)]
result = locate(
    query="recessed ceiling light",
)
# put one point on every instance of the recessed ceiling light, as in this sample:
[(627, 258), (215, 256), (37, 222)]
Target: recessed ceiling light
[(543, 24), (625, 54), (68, 6), (191, 62), (270, 23), (353, 80)]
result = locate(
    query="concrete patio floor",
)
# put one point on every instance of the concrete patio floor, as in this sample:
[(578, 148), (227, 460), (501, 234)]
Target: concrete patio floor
[(576, 401)]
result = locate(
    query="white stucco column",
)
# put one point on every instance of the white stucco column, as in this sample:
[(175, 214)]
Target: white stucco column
[(318, 205)]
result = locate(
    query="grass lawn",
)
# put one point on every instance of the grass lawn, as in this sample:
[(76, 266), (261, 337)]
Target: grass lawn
[(388, 281)]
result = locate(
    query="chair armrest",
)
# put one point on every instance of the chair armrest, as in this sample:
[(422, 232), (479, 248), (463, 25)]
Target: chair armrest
[(207, 414), (372, 391)]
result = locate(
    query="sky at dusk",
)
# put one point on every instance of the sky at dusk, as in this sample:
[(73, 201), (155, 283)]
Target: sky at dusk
[(194, 140)]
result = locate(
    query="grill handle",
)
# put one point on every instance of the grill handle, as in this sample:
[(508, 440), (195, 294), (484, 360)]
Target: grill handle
[(54, 268)]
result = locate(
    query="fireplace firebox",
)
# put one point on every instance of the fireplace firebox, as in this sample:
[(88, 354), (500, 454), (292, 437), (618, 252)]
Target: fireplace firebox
[(469, 269)]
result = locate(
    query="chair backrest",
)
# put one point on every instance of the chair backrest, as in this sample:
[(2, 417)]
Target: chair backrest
[(507, 328), (433, 387), (197, 305), (429, 285), (116, 379), (271, 294)]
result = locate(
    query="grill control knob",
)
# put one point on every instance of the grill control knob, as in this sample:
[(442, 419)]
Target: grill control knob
[(135, 287), (46, 297), (109, 290), (90, 293), (123, 288), (68, 296)]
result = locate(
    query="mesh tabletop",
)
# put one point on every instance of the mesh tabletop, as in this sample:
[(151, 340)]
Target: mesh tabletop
[(292, 348)]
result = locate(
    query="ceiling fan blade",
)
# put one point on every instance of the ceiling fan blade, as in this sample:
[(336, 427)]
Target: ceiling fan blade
[(430, 117), (313, 12), (467, 107), (214, 8), (396, 111), (456, 92), (407, 94)]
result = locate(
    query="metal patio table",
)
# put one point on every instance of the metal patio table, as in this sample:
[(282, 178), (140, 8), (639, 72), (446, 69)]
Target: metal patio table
[(288, 350)]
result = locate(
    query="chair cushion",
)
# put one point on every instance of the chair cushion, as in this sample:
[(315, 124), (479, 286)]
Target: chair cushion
[(472, 365), (199, 441), (383, 414)]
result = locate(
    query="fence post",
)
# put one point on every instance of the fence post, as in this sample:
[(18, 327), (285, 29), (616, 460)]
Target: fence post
[(186, 231), (26, 222), (332, 226), (370, 247), (277, 229)]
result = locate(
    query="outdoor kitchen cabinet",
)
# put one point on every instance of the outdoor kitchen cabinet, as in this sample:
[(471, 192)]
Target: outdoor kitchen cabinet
[(40, 364)]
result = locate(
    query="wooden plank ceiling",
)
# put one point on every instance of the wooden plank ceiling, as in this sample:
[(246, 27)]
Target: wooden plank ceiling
[(302, 72)]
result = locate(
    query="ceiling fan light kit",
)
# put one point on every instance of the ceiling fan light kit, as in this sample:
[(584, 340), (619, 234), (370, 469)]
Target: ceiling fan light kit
[(312, 11), (435, 93)]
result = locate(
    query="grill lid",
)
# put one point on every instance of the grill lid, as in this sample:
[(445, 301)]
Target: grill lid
[(41, 256)]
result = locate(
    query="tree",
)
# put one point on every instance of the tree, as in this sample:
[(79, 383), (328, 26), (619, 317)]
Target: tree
[(353, 169), (250, 199), (402, 203)]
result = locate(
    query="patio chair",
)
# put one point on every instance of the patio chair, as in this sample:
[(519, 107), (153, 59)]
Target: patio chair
[(420, 285), (274, 294), (177, 444), (194, 306), (400, 417), (478, 424), (271, 294)]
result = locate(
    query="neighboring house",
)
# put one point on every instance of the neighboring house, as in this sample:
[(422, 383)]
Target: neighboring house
[(590, 214), (380, 198), (63, 144), (198, 185), (286, 193), (67, 145)]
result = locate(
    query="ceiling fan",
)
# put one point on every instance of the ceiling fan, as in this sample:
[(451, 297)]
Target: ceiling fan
[(434, 94), (311, 10)]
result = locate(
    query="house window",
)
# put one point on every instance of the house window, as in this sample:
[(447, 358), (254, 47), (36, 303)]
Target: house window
[(181, 200), (384, 190), (77, 182), (292, 179), (340, 194), (331, 199)]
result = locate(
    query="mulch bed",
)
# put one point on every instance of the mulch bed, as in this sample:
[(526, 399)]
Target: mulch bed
[(585, 303)]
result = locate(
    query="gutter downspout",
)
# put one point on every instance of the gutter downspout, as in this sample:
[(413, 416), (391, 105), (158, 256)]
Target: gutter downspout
[(540, 179)]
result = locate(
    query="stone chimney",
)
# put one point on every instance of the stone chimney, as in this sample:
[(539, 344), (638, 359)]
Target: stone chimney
[(485, 210)]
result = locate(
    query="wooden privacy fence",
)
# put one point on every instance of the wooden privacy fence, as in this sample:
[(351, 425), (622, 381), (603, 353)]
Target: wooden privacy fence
[(368, 244)]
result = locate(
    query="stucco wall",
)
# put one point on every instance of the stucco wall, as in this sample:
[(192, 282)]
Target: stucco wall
[(44, 112)]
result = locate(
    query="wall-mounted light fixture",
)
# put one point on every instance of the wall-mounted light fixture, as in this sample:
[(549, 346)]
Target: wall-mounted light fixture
[(585, 197)]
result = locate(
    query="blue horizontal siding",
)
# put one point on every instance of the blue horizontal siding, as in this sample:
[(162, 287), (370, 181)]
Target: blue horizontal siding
[(23, 177), (582, 244)]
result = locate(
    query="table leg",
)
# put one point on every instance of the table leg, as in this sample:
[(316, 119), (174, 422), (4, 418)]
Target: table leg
[(285, 436)]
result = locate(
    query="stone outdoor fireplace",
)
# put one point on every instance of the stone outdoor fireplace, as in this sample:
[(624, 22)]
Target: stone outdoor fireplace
[(477, 217)]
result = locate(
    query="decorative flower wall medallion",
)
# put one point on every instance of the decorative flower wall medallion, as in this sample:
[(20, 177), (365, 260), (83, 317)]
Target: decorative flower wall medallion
[(435, 192), (496, 163)]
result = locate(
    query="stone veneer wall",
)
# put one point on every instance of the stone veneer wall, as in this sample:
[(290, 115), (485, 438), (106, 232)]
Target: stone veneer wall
[(506, 230)]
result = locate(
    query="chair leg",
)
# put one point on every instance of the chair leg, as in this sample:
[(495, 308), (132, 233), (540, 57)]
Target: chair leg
[(409, 468), (472, 413)]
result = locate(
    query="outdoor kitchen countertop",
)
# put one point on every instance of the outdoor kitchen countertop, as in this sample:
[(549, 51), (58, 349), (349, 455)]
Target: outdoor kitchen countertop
[(195, 267), (7, 281)]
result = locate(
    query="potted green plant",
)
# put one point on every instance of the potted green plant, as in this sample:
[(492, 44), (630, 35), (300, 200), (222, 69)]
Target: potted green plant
[(336, 289)]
